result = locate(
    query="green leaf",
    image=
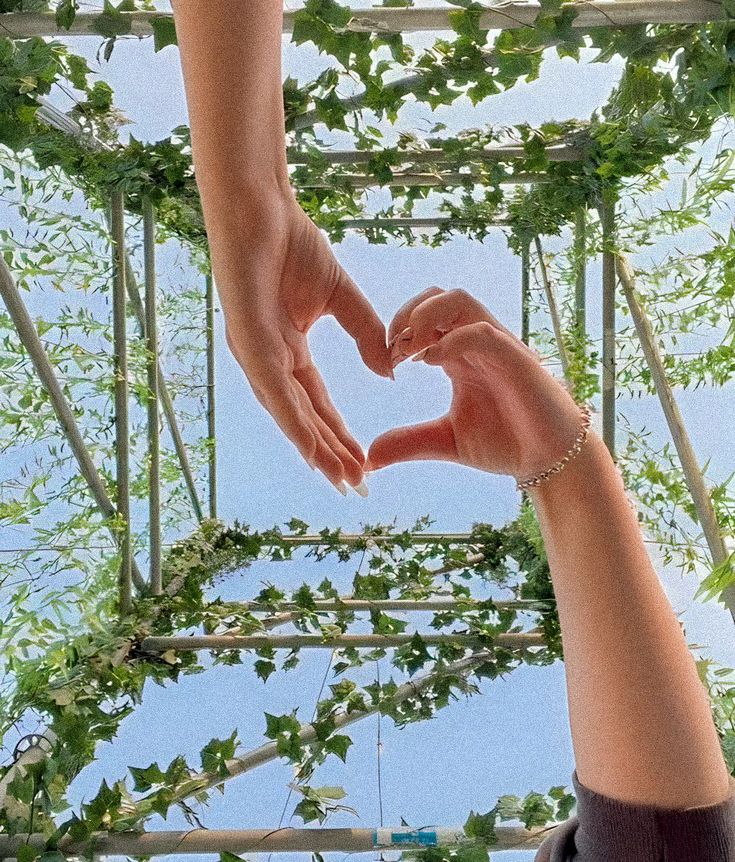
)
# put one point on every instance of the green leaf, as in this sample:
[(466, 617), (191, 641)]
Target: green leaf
[(164, 32), (338, 744), (217, 752), (481, 826), (66, 12), (145, 778)]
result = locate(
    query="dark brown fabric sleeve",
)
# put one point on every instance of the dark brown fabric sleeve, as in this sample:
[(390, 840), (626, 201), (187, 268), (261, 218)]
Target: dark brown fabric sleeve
[(604, 829)]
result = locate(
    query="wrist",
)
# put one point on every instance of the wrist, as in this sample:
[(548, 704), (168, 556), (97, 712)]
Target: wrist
[(231, 201), (587, 471)]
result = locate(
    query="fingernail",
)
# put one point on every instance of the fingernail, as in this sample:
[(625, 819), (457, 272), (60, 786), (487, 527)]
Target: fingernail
[(361, 489), (419, 356), (341, 487), (391, 374)]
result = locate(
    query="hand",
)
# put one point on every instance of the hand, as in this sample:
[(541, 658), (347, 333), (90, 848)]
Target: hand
[(276, 276), (508, 414)]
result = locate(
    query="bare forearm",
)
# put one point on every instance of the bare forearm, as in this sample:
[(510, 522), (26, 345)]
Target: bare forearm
[(232, 74), (641, 722)]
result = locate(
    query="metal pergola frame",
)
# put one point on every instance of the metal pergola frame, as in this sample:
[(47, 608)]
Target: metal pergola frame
[(509, 16), (115, 508)]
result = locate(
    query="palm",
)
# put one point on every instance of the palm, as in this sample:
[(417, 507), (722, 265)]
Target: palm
[(275, 289), (508, 415)]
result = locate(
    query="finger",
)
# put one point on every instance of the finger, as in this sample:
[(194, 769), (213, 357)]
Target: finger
[(313, 385), (433, 318), (282, 402), (356, 316), (349, 469), (427, 441), (400, 319)]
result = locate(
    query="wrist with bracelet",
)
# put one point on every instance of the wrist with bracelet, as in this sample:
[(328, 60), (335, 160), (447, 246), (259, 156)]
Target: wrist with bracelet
[(558, 466)]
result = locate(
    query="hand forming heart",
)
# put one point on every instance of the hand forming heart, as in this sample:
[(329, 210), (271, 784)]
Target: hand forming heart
[(508, 414)]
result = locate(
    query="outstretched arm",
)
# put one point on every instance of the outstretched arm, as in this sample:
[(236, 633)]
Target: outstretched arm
[(275, 273), (640, 717)]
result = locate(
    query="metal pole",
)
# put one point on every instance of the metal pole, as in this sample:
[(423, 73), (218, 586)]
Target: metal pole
[(211, 428), (525, 291), (167, 403), (122, 432), (154, 443), (601, 13), (194, 643), (706, 514), (273, 840), (580, 282), (64, 414), (607, 216), (553, 309), (250, 760), (435, 605)]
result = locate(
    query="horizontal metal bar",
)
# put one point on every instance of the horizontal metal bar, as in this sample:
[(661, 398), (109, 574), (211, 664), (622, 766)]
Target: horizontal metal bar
[(273, 840), (495, 153), (435, 221), (506, 16), (267, 753), (426, 180), (356, 538), (195, 643), (439, 605)]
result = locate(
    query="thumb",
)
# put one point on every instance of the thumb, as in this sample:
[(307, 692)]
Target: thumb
[(428, 441), (356, 316)]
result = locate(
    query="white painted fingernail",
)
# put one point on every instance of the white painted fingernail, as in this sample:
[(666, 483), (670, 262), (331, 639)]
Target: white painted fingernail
[(361, 489), (341, 487)]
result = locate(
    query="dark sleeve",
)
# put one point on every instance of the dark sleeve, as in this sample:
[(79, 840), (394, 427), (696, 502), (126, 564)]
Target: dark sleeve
[(604, 829)]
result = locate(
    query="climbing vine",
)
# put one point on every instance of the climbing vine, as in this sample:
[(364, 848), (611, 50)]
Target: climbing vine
[(675, 89)]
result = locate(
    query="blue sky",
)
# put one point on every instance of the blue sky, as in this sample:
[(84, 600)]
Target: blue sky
[(514, 737)]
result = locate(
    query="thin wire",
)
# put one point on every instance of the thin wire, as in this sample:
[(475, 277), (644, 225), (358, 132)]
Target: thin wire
[(313, 717)]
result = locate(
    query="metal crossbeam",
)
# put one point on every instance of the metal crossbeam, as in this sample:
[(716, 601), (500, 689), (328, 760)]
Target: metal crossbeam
[(269, 752), (416, 539), (196, 643), (506, 16), (495, 153), (437, 605), (274, 840), (410, 223), (419, 180)]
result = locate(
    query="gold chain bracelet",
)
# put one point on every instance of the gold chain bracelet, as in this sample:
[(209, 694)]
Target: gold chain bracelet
[(536, 480)]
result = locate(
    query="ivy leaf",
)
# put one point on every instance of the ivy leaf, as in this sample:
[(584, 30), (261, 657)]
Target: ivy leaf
[(338, 744), (27, 853), (146, 777), (164, 32), (112, 22), (481, 826), (66, 12), (264, 669), (226, 856), (276, 725), (217, 752)]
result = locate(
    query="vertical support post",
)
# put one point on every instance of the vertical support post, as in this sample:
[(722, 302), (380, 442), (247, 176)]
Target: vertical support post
[(525, 290), (154, 443), (211, 429), (706, 514), (122, 433), (580, 282), (607, 217), (553, 310)]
